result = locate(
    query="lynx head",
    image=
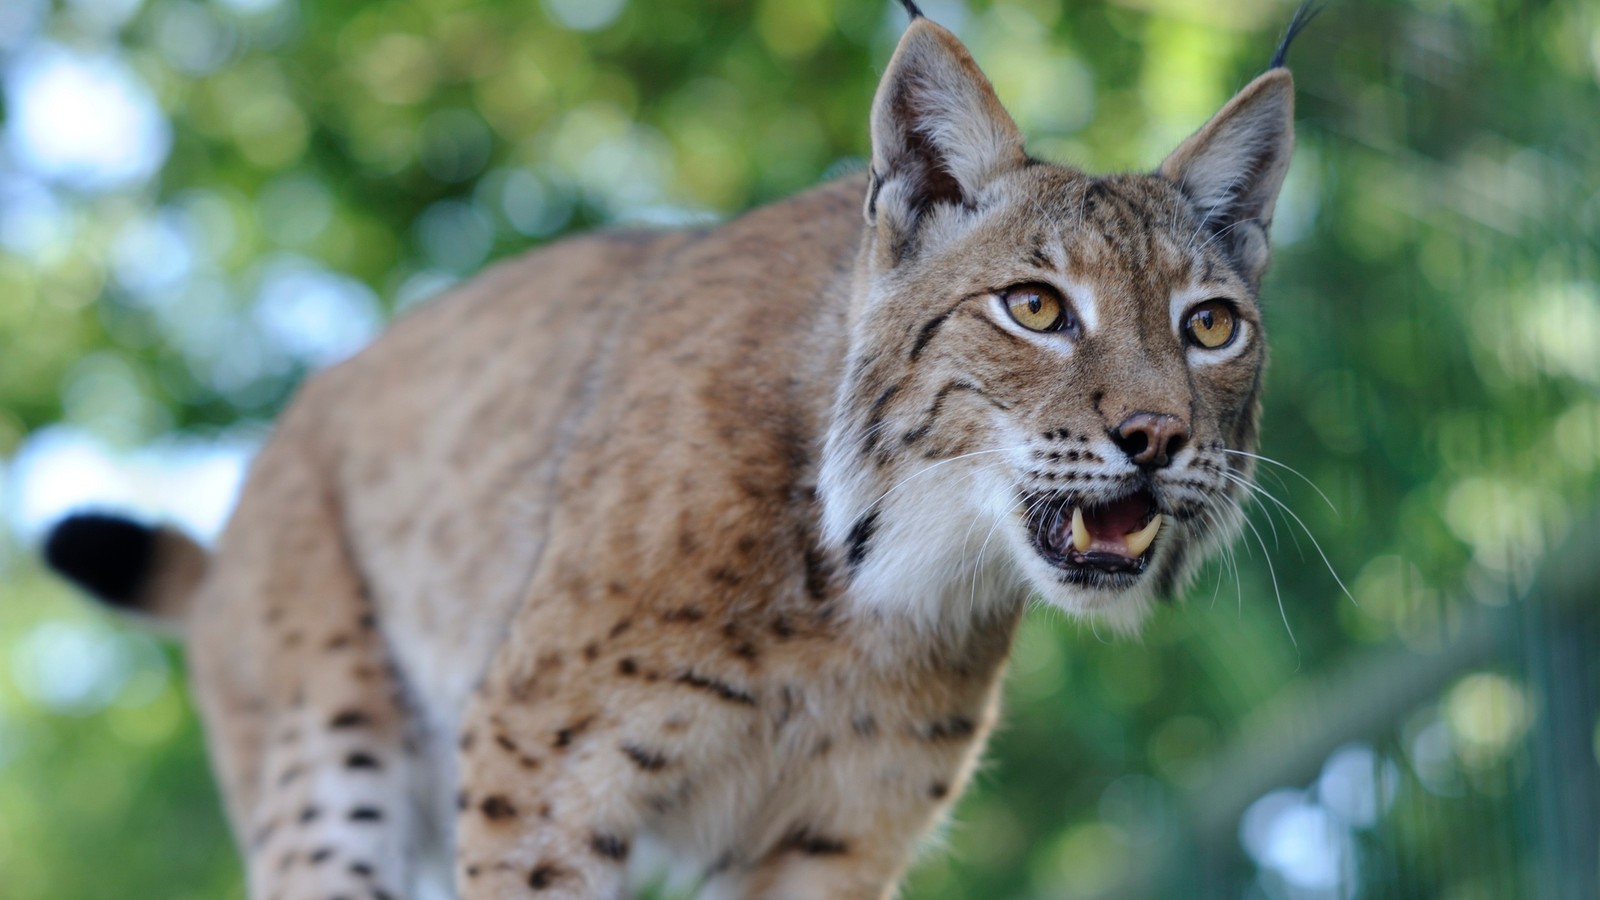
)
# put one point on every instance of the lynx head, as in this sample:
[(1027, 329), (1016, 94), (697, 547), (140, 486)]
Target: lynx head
[(1053, 376)]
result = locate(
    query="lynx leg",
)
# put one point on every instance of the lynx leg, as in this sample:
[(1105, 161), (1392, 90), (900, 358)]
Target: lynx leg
[(855, 847), (304, 712), (822, 873), (565, 755)]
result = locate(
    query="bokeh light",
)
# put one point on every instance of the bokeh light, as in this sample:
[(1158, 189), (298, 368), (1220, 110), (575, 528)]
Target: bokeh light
[(83, 120)]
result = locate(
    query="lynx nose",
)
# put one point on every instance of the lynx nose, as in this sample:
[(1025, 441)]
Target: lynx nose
[(1151, 439)]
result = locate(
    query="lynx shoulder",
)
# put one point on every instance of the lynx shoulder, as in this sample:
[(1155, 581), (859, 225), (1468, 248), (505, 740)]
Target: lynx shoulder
[(716, 541)]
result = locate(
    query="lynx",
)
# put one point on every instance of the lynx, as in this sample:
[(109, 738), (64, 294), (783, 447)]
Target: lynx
[(712, 544)]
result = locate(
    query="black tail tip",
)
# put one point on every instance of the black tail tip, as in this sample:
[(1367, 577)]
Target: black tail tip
[(108, 556)]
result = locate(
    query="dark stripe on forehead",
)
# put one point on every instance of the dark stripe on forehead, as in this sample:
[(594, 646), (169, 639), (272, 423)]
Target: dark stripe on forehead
[(1127, 222), (1101, 210), (1039, 257), (930, 328)]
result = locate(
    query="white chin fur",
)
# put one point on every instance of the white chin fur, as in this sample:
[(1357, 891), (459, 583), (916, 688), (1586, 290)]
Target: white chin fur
[(1122, 612), (940, 555)]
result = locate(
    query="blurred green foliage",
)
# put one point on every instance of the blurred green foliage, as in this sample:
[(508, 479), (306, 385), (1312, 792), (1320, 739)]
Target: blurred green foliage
[(1434, 311)]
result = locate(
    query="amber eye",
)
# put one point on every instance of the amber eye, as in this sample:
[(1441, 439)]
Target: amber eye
[(1211, 324), (1037, 308)]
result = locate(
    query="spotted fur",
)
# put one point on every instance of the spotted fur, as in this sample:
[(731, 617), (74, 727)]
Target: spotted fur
[(716, 541)]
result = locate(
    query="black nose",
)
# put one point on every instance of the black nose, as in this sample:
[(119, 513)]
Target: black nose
[(1151, 439)]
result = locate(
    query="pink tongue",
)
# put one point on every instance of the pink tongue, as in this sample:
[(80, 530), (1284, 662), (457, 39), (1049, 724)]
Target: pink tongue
[(1112, 521)]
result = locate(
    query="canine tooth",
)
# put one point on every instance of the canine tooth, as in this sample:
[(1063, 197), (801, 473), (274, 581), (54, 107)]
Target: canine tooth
[(1139, 541), (1081, 538)]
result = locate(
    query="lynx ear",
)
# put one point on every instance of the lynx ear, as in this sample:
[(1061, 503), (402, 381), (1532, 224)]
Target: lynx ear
[(1233, 167), (939, 133)]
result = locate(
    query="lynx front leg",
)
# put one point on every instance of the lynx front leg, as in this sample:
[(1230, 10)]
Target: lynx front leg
[(853, 848), (849, 819), (566, 755)]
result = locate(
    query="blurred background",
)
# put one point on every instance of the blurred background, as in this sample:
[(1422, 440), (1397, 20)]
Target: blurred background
[(1388, 688)]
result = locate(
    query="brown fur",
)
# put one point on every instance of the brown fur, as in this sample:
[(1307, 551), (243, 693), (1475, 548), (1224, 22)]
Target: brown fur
[(658, 537)]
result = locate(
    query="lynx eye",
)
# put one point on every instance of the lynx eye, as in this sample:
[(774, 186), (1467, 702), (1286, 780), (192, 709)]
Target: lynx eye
[(1211, 324), (1037, 308)]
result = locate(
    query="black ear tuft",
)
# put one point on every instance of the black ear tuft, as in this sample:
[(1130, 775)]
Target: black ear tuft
[(911, 9), (108, 556), (1308, 10)]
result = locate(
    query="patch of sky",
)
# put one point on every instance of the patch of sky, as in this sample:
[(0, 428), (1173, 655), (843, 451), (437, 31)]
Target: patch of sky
[(1358, 785), (1301, 845), (153, 254), (316, 316), (82, 119), (82, 667), (190, 481), (19, 21), (34, 221), (585, 15), (1304, 840)]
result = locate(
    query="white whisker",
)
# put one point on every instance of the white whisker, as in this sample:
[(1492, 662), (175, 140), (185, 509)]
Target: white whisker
[(1290, 469), (1250, 491), (1309, 536), (1228, 556), (1284, 613), (929, 468)]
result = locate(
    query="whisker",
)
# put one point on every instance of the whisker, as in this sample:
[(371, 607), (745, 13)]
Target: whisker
[(977, 566), (1276, 591), (1309, 536), (1255, 491), (1095, 630), (926, 469), (1229, 556), (1290, 469), (979, 514), (1251, 491), (978, 563)]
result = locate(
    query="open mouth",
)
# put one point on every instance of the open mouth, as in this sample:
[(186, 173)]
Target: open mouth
[(1094, 541)]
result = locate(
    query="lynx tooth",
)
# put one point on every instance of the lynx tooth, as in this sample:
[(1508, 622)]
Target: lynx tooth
[(1139, 541)]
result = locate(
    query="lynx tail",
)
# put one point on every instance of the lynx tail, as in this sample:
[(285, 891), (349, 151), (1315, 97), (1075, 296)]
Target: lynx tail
[(132, 567)]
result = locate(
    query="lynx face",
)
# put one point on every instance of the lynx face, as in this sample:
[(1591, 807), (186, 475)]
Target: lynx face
[(1054, 376)]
